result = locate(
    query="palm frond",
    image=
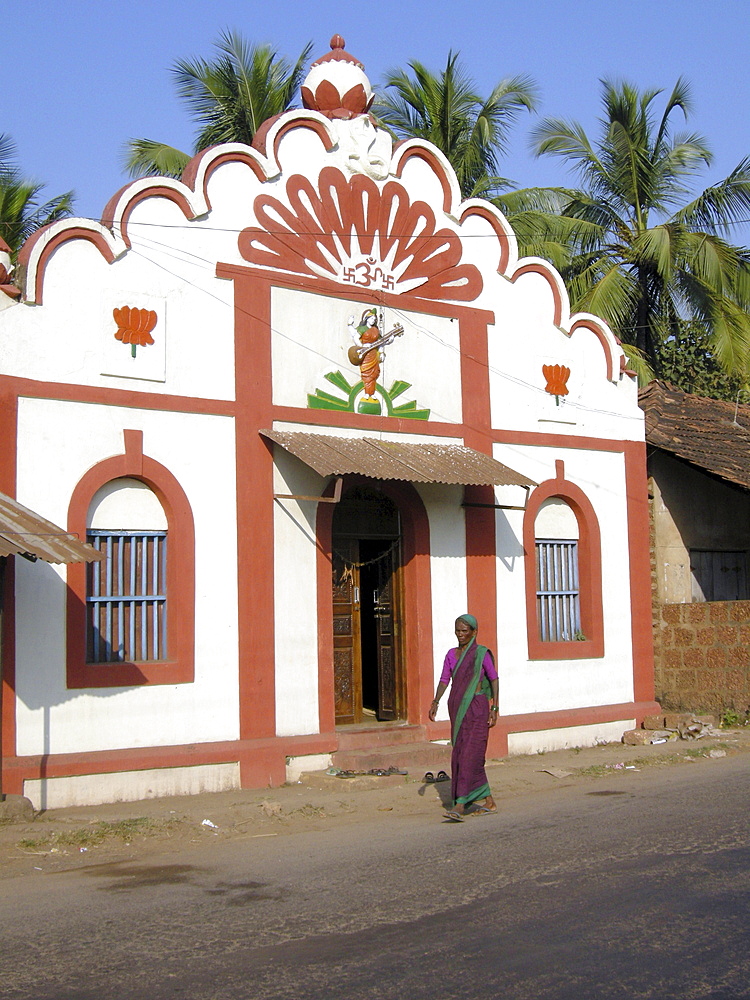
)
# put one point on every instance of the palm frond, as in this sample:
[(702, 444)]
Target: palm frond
[(143, 157)]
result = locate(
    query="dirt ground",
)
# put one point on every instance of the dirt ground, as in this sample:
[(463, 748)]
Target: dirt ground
[(62, 839)]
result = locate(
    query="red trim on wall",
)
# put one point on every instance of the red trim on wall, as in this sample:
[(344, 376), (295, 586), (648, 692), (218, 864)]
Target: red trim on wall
[(636, 491), (598, 331), (589, 572), (191, 171), (262, 762), (255, 530), (180, 668), (364, 422), (106, 396), (73, 233), (475, 379), (321, 286), (154, 191), (425, 153), (534, 267), (481, 563), (489, 216)]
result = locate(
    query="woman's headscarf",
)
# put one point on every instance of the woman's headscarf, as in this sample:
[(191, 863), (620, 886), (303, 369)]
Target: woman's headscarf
[(470, 621)]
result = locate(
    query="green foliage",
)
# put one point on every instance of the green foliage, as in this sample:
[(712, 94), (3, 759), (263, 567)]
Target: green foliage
[(629, 246), (228, 97), (21, 210), (91, 836), (445, 109), (686, 360), (732, 719)]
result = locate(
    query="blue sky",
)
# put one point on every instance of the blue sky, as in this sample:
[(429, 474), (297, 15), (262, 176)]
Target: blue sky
[(81, 77)]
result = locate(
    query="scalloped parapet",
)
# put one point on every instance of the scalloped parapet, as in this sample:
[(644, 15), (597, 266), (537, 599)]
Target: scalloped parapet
[(348, 221)]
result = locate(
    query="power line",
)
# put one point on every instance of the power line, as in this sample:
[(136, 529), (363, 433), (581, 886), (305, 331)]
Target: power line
[(208, 264)]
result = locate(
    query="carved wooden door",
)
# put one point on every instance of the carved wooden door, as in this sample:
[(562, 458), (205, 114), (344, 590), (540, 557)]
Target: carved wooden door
[(347, 672), (386, 621)]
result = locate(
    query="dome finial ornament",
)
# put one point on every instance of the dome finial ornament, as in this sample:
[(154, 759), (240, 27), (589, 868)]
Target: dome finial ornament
[(336, 85)]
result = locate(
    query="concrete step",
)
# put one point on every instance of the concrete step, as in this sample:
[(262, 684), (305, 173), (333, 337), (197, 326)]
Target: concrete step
[(379, 734), (411, 757)]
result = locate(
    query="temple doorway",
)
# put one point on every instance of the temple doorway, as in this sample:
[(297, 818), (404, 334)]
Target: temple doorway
[(367, 608)]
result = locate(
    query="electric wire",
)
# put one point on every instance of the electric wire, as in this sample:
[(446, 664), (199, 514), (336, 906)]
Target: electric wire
[(208, 264)]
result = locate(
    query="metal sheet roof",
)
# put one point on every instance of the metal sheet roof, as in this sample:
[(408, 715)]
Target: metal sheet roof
[(415, 463), (24, 533)]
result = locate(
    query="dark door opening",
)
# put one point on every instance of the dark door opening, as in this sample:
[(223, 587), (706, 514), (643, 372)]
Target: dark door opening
[(366, 609)]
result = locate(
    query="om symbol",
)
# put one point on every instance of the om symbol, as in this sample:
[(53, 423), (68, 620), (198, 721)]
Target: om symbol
[(363, 274)]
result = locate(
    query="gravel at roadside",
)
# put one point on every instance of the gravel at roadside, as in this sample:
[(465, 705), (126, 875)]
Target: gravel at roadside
[(69, 838)]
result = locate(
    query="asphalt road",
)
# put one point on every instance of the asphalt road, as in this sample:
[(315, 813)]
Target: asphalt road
[(588, 892)]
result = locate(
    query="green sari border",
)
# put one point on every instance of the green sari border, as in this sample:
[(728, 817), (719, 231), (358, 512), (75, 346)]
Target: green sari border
[(471, 687), (478, 793)]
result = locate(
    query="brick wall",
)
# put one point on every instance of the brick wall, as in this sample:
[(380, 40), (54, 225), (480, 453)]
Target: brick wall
[(702, 656)]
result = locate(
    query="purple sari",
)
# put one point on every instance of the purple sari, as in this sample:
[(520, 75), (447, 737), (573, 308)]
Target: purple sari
[(469, 709)]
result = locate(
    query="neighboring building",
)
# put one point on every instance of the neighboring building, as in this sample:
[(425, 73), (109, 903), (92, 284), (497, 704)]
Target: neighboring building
[(699, 475), (292, 522)]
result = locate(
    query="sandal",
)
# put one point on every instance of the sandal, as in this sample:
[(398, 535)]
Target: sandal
[(429, 778), (455, 816), (442, 776), (483, 811)]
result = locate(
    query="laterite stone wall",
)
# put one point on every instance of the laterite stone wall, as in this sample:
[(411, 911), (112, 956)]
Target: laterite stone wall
[(702, 656)]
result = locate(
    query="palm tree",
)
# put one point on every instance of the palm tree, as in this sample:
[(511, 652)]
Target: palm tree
[(446, 110), (21, 212), (629, 245), (228, 97)]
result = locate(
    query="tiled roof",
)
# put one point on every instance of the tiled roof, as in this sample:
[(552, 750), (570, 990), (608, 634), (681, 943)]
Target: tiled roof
[(704, 432)]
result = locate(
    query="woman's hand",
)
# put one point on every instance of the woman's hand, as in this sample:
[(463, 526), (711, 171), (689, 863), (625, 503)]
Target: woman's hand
[(492, 721)]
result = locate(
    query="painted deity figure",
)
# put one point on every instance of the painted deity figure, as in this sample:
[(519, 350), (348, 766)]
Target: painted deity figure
[(369, 362)]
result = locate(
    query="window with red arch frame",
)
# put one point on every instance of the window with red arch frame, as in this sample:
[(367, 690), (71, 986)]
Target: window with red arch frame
[(179, 665), (591, 641)]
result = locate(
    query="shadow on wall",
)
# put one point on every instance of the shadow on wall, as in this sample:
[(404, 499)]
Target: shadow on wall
[(39, 679)]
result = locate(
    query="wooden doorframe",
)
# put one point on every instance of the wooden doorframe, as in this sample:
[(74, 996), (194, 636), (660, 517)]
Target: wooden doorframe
[(416, 598), (368, 667)]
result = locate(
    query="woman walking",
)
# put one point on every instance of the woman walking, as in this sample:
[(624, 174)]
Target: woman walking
[(473, 709)]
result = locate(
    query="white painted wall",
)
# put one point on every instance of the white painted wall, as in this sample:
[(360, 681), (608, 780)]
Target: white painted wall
[(171, 268), (65, 440), (126, 505), (549, 685), (295, 596), (447, 567), (310, 338)]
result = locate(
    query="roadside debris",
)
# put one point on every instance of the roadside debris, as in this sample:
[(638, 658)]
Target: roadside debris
[(376, 772), (271, 808), (671, 726), (207, 822), (556, 772)]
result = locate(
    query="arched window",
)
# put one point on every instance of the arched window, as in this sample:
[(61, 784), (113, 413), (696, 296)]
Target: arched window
[(126, 593), (131, 616), (557, 582), (562, 547)]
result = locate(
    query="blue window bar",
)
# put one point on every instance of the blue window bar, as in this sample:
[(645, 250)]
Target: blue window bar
[(557, 595), (126, 597)]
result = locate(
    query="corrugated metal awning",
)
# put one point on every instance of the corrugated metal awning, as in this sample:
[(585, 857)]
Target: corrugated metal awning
[(424, 462), (24, 533)]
